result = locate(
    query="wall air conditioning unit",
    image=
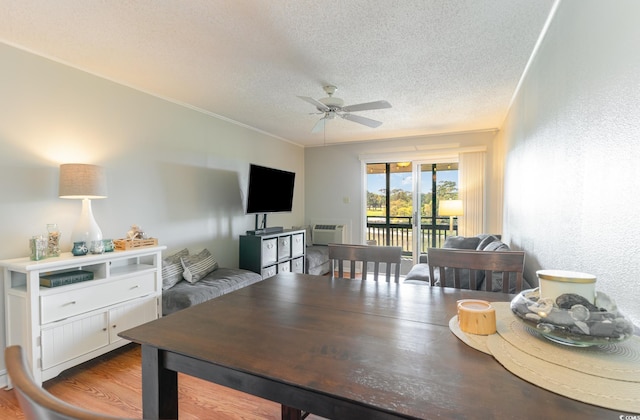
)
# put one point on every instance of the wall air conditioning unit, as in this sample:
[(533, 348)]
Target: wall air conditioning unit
[(328, 234)]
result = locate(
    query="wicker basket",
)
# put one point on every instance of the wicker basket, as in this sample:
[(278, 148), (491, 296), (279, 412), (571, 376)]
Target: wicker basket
[(127, 244)]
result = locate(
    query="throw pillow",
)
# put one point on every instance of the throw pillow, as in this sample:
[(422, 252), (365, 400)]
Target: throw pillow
[(486, 240), (496, 246), (172, 269), (196, 267), (461, 242)]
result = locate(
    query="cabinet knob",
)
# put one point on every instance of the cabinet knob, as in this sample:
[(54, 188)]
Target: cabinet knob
[(73, 302), (134, 287), (114, 325), (104, 329)]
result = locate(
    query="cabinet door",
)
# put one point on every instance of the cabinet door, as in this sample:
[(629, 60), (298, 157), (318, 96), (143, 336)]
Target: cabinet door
[(284, 267), (297, 265), (297, 244), (131, 315), (284, 247), (64, 341), (269, 251), (269, 271)]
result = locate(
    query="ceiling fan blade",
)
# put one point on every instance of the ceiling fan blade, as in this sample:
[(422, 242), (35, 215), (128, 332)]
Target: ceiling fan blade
[(367, 106), (317, 104), (362, 120), (319, 126)]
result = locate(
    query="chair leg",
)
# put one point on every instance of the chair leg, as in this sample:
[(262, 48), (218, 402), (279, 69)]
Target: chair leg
[(290, 413)]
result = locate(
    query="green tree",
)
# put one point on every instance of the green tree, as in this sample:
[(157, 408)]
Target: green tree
[(447, 190)]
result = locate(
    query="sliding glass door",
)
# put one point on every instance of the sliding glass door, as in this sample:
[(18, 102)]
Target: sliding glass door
[(389, 204), (434, 182), (402, 204)]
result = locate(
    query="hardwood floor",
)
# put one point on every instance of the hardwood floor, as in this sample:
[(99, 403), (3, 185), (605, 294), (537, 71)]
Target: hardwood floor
[(111, 384)]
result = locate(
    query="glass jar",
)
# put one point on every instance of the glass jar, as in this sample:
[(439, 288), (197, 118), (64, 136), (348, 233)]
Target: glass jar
[(53, 244), (38, 245)]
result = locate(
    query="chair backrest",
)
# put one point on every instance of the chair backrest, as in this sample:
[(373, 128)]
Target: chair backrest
[(35, 402), (390, 255), (463, 263)]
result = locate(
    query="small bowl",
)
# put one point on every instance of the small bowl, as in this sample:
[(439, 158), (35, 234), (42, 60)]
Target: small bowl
[(571, 319)]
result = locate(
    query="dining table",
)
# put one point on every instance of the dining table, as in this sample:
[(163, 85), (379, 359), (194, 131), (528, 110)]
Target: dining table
[(340, 349)]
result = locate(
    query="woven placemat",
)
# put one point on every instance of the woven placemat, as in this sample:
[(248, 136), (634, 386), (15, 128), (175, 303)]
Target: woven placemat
[(606, 376), (620, 361), (571, 383), (479, 342)]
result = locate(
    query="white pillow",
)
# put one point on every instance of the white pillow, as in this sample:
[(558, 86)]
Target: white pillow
[(172, 269), (196, 267)]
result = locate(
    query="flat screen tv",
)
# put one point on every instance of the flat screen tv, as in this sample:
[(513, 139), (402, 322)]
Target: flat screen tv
[(270, 190)]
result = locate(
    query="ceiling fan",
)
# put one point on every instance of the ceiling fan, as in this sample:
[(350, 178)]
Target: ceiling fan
[(332, 107)]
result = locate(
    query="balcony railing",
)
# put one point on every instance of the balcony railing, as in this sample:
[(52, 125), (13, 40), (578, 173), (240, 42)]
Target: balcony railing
[(400, 232)]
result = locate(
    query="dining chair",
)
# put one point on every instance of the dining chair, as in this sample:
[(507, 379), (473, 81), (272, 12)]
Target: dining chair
[(464, 269), (365, 254), (35, 402)]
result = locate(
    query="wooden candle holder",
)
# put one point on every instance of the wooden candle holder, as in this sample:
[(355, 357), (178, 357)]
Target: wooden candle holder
[(476, 317)]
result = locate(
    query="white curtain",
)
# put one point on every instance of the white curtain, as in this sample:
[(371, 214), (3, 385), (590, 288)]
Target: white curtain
[(471, 192)]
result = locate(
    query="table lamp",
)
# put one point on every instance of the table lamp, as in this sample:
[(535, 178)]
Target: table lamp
[(450, 208), (84, 182)]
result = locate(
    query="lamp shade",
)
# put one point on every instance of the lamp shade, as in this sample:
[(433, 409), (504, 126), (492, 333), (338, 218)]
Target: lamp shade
[(78, 180), (450, 208)]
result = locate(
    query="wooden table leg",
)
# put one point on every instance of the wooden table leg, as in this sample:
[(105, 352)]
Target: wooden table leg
[(159, 386), (290, 413)]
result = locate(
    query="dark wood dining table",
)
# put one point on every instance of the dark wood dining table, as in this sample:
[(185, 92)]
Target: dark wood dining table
[(340, 349)]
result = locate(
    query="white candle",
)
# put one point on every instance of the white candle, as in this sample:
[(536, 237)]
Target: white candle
[(554, 283)]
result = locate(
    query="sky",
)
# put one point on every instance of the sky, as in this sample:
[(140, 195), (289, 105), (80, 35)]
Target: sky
[(404, 180)]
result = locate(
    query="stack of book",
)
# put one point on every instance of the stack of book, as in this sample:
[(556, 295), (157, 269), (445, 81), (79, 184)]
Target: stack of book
[(69, 277)]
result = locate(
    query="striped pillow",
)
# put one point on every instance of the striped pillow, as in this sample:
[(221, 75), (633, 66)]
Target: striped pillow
[(172, 269), (196, 267)]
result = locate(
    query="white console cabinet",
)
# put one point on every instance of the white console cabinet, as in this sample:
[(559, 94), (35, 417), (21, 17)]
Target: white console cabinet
[(60, 327)]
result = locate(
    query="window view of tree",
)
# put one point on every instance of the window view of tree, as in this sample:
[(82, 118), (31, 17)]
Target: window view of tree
[(401, 200), (390, 215)]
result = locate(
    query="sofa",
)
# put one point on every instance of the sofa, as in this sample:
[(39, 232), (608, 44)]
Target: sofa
[(190, 279), (419, 273), (317, 260), (316, 256)]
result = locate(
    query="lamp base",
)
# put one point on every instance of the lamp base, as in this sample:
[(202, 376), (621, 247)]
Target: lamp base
[(87, 230)]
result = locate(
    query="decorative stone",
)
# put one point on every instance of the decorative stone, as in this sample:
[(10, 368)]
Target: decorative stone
[(605, 303), (572, 319), (579, 312), (568, 300)]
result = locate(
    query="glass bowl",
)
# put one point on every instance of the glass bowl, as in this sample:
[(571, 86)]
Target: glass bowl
[(571, 319)]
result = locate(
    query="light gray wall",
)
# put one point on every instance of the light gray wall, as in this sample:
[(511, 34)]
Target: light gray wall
[(334, 182), (177, 172), (572, 146)]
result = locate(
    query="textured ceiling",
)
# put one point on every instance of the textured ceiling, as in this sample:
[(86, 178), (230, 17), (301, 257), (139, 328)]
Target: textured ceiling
[(444, 65)]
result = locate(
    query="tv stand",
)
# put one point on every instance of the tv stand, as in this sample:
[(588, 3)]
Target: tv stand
[(271, 253), (266, 231), (263, 224), (262, 229)]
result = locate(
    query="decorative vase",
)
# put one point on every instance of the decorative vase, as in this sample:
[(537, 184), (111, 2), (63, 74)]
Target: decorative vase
[(53, 245), (38, 245), (96, 247), (79, 248), (108, 245)]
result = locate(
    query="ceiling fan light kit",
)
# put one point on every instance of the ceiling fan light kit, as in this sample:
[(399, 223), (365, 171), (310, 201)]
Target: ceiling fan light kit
[(332, 107)]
